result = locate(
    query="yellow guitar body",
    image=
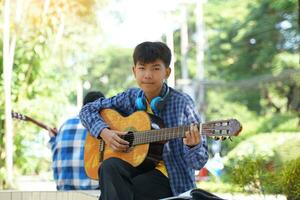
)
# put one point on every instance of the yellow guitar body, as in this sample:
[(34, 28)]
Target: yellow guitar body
[(138, 121)]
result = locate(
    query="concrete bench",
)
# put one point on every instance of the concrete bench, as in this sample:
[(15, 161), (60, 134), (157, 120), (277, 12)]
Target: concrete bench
[(49, 195)]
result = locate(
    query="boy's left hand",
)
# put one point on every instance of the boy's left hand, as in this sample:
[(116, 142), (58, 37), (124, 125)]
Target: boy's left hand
[(52, 132), (192, 137)]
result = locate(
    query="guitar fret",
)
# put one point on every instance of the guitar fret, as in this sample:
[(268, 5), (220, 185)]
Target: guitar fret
[(144, 137), (156, 135)]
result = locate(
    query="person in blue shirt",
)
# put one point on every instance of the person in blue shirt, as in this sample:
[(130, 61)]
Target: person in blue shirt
[(174, 173), (68, 153)]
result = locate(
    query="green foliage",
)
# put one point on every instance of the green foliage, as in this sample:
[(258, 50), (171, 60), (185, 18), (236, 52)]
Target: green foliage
[(106, 68), (259, 40), (259, 174), (289, 179), (263, 145), (48, 64), (2, 147), (252, 56), (285, 122), (220, 107), (252, 173), (288, 150), (260, 166), (219, 187)]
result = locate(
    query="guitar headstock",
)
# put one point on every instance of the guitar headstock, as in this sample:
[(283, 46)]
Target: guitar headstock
[(222, 128), (18, 116)]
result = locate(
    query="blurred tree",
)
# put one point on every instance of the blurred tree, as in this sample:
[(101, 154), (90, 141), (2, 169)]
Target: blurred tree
[(261, 39), (110, 71), (252, 67), (47, 62)]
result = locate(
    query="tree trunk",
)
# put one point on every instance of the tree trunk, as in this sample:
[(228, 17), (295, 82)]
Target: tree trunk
[(8, 61), (7, 73)]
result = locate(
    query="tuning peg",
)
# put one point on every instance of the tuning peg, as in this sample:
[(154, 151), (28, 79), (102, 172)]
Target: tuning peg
[(223, 138), (216, 137)]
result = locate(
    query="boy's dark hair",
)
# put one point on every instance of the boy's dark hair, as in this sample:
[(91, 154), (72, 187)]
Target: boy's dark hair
[(92, 96), (147, 52)]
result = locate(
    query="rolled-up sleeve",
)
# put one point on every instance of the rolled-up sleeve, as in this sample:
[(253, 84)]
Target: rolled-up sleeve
[(91, 119), (197, 156), (90, 116)]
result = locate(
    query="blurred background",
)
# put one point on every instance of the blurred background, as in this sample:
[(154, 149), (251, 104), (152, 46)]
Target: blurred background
[(236, 58)]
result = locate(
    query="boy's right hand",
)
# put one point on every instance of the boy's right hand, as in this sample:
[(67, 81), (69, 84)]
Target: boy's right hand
[(113, 140)]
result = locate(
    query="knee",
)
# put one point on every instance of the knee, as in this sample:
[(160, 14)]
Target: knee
[(109, 165)]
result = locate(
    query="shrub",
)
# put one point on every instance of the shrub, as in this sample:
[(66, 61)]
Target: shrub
[(289, 179), (266, 163), (253, 174)]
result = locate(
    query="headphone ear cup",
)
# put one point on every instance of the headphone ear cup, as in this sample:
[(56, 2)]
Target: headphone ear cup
[(160, 105), (140, 104), (156, 104)]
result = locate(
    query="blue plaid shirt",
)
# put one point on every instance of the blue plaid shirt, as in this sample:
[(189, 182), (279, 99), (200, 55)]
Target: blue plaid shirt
[(67, 156), (180, 160)]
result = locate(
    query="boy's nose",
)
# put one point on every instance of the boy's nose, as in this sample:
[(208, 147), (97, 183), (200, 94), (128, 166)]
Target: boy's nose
[(148, 74)]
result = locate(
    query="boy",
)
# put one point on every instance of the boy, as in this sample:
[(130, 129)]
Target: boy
[(174, 173), (68, 152)]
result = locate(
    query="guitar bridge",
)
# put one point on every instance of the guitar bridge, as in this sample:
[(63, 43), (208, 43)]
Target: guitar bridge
[(101, 149)]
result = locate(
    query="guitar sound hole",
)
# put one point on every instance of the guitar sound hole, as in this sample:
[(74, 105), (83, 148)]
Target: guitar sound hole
[(129, 137)]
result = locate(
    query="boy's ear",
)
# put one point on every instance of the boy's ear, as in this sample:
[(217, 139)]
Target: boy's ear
[(133, 70), (168, 72)]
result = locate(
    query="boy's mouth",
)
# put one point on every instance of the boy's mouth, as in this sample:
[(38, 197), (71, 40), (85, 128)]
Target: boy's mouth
[(147, 83)]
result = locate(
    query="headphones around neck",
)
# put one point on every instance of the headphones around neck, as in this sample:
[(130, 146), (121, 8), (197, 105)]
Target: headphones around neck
[(156, 104)]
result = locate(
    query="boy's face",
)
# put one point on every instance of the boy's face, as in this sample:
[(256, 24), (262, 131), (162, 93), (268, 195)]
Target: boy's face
[(150, 76)]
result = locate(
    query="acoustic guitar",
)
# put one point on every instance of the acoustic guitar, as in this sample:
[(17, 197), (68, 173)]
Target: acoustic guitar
[(142, 130), (22, 117)]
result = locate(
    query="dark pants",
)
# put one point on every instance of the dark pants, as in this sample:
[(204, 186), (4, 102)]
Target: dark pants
[(119, 180)]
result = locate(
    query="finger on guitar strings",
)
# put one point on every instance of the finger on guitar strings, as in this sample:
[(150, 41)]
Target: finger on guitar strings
[(187, 136), (120, 140), (195, 134), (119, 144)]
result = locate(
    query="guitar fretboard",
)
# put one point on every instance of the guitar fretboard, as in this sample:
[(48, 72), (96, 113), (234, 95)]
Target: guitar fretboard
[(26, 118), (143, 137), (208, 129)]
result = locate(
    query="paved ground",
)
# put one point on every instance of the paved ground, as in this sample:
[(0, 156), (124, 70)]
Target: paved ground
[(238, 196), (251, 197), (34, 183)]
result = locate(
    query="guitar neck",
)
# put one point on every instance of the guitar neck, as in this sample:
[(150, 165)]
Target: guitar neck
[(213, 128), (143, 137), (40, 124)]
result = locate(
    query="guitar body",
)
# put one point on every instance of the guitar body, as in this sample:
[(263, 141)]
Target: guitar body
[(138, 121)]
